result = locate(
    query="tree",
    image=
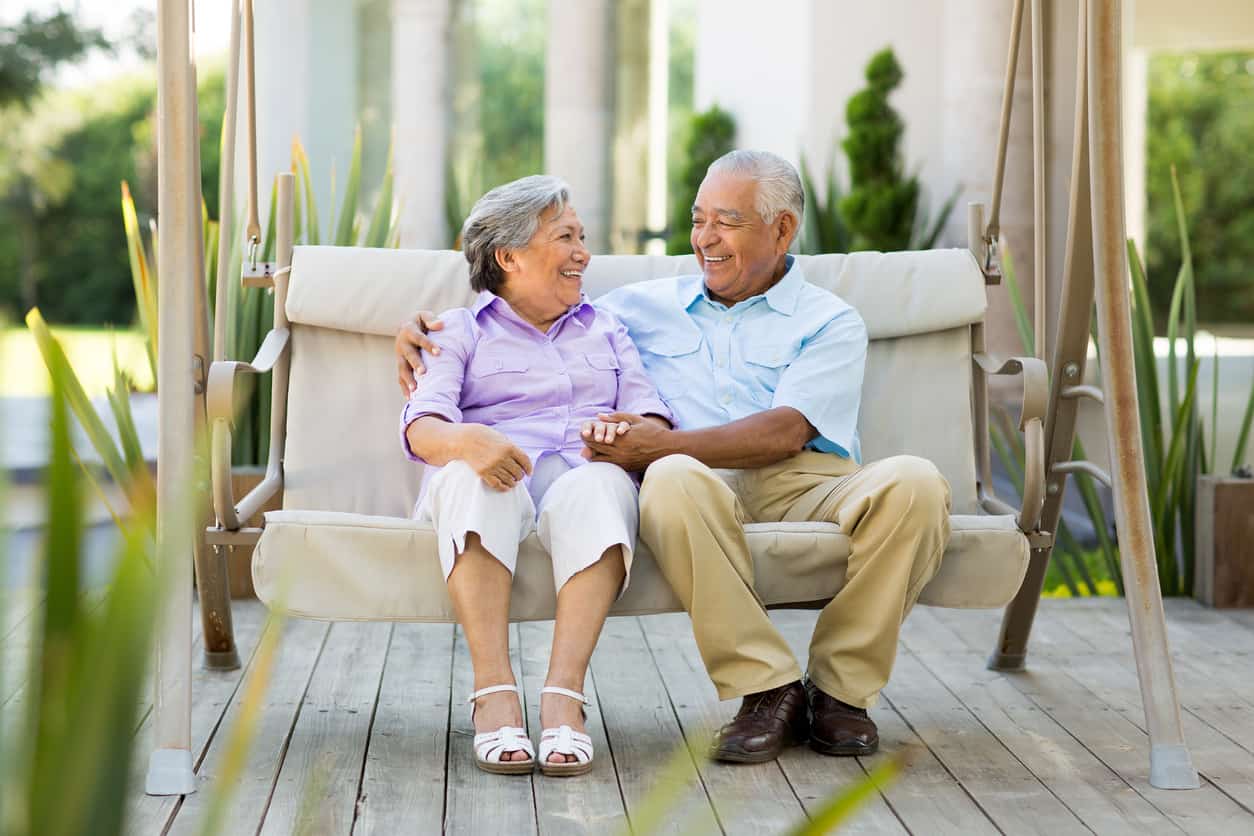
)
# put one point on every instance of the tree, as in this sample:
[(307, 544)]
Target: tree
[(1200, 120), (34, 47), (32, 177)]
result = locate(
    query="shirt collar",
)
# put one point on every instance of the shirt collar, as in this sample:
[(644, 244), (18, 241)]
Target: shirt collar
[(782, 296), (582, 311)]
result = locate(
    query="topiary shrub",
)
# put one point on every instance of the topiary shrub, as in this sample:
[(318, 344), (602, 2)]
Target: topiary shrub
[(881, 204), (710, 136)]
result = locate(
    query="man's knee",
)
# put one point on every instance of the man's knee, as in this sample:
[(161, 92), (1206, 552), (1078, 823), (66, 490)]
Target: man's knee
[(922, 483), (668, 481)]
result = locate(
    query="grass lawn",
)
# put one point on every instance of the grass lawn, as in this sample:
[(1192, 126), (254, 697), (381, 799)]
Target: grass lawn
[(90, 351)]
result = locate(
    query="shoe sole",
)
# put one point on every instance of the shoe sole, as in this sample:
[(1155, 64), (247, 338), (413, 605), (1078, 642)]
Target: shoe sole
[(565, 770), (507, 767), (843, 750), (753, 757)]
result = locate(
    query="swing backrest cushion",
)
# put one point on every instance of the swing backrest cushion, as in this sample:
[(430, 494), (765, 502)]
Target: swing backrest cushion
[(345, 305)]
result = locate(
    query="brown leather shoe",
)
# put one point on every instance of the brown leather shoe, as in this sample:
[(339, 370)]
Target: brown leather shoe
[(837, 728), (766, 723)]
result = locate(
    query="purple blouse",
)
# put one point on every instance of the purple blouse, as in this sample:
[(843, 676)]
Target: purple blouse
[(494, 368)]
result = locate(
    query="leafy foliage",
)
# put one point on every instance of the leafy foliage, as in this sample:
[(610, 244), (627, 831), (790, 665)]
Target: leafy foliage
[(710, 136), (1200, 121), (35, 46), (1173, 440)]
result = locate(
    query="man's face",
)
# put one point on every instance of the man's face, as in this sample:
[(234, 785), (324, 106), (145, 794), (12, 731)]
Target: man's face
[(740, 254)]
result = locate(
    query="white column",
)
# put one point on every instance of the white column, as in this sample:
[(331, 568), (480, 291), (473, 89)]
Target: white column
[(579, 108), (976, 35), (306, 87), (421, 77), (1135, 137)]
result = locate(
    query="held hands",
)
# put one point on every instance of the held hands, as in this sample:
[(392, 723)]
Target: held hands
[(494, 457), (633, 449), (410, 340)]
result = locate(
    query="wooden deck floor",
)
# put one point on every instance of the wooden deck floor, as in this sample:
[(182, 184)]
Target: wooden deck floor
[(364, 732)]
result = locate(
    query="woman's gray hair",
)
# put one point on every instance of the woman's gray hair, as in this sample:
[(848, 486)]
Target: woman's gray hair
[(779, 185), (505, 219)]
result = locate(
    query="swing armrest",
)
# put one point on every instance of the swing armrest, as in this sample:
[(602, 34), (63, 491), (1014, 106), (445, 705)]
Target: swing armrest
[(1032, 424), (220, 406)]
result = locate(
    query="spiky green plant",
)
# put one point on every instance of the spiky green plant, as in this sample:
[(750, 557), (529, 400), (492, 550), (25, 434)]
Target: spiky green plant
[(1173, 441)]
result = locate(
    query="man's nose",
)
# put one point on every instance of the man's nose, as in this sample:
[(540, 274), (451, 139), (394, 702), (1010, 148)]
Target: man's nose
[(706, 236)]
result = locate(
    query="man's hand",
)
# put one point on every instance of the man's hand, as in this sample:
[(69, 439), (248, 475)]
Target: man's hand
[(494, 457), (411, 338), (644, 442)]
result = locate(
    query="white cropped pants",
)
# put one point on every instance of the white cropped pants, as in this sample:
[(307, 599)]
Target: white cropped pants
[(583, 512)]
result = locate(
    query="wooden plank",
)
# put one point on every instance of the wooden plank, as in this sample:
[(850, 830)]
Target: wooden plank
[(1119, 743), (1097, 796), (927, 798), (402, 789), (814, 777), (590, 803), (642, 728), (1221, 760), (319, 781), (1004, 788), (296, 656), (748, 798), (212, 692), (476, 801)]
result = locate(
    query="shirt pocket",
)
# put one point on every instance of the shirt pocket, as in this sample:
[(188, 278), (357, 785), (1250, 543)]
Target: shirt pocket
[(594, 379), (490, 365), (675, 366), (764, 365)]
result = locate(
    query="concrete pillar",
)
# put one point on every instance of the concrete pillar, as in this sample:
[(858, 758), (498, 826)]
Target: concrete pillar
[(629, 212), (1135, 139), (975, 35), (579, 108), (307, 87), (421, 78)]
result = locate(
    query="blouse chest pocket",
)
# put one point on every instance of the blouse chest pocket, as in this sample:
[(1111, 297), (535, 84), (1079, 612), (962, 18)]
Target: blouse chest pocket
[(594, 378), (488, 365), (602, 362)]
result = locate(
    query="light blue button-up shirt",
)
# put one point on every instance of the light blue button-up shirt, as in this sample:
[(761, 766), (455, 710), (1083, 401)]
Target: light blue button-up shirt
[(796, 345)]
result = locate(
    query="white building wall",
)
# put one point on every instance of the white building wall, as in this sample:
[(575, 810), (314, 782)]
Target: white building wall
[(757, 66)]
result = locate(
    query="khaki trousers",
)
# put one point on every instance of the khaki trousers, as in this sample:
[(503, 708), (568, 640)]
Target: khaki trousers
[(895, 512)]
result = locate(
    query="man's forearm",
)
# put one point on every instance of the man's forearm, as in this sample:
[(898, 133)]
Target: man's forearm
[(756, 441)]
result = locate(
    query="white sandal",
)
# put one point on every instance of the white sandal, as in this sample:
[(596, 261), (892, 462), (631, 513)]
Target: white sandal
[(490, 746), (564, 740)]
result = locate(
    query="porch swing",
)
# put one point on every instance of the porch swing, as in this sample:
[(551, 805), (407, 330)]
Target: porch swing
[(343, 547)]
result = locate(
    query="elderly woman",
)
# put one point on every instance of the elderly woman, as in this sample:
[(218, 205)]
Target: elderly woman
[(499, 418)]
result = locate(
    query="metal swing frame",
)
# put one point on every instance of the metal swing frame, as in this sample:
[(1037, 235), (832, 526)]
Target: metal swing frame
[(1094, 269)]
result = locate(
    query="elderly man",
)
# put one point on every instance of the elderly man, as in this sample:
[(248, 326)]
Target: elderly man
[(763, 372)]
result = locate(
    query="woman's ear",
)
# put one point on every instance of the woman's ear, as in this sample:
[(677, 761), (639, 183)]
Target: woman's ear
[(506, 260)]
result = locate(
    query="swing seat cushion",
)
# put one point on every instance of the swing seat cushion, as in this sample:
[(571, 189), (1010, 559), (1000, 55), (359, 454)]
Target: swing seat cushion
[(342, 547), (346, 567)]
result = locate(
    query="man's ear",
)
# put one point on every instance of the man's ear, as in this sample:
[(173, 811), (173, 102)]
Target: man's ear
[(785, 231)]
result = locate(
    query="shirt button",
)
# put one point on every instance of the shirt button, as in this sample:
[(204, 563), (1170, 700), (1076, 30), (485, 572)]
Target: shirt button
[(726, 399), (722, 363)]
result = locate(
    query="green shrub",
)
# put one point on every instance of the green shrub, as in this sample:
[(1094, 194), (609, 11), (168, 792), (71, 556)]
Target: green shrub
[(710, 136)]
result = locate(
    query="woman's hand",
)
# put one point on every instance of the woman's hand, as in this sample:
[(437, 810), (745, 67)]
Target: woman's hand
[(499, 463), (410, 339), (603, 431)]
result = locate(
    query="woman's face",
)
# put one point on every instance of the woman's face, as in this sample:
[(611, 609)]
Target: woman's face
[(544, 278)]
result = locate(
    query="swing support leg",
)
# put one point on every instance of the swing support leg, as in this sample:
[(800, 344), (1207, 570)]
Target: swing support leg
[(1096, 266)]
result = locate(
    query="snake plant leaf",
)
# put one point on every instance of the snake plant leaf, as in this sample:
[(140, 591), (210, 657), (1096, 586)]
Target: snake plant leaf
[(380, 224), (142, 278), (344, 235)]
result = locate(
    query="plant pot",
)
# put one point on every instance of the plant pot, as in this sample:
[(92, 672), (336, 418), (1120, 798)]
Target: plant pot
[(1224, 568), (240, 558)]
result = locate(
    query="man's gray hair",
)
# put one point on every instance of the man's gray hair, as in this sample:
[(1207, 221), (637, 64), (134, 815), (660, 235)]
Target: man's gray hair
[(779, 185), (505, 219)]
